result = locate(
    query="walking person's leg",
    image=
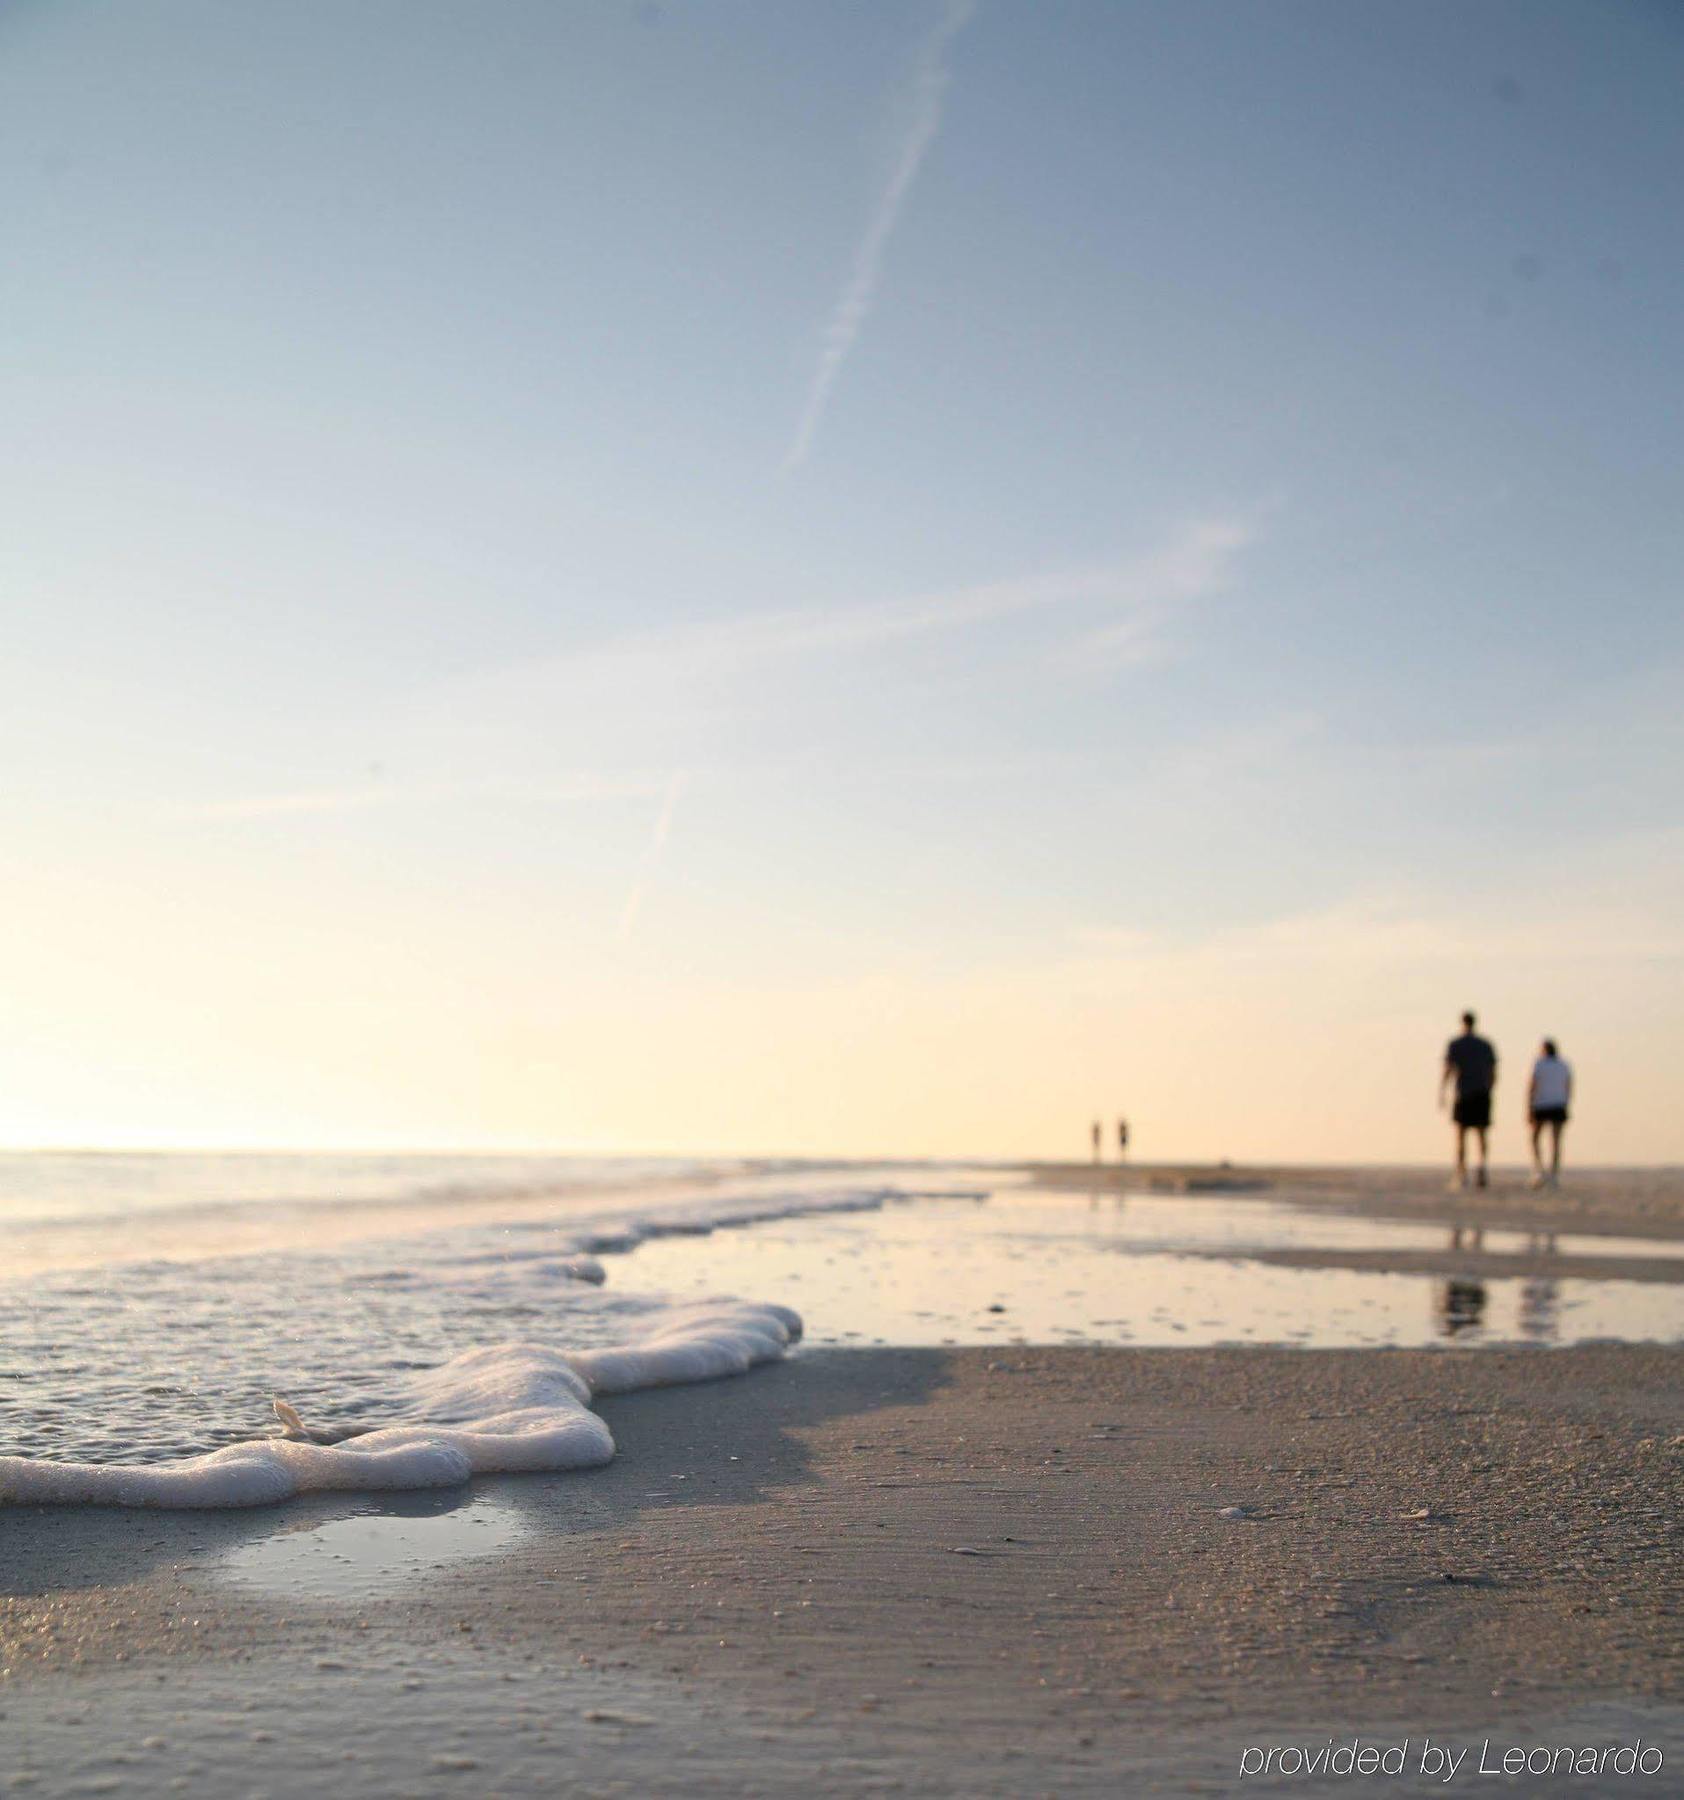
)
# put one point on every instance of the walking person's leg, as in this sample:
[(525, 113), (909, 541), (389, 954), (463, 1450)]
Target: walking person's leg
[(1537, 1153), (1461, 1175), (1483, 1178), (1557, 1126)]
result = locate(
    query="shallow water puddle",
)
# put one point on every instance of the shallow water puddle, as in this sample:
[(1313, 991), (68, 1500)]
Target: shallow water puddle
[(1032, 1266), (373, 1550)]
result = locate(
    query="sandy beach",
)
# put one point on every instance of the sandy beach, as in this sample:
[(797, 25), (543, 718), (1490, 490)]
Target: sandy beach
[(781, 781), (1602, 1202), (1038, 1571)]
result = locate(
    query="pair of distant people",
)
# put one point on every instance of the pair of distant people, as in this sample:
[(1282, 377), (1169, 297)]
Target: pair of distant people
[(1122, 1139), (1470, 1066)]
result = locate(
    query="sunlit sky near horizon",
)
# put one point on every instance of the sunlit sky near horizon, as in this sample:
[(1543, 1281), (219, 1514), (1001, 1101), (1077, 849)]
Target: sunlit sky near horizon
[(838, 579)]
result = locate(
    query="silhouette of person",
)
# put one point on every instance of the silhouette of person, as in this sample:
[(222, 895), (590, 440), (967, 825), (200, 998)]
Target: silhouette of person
[(1122, 1137), (1550, 1096), (1471, 1063), (1097, 1153)]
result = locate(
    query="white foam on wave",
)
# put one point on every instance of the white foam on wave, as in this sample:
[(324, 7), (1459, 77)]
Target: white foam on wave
[(499, 1406), (568, 1247), (502, 1409)]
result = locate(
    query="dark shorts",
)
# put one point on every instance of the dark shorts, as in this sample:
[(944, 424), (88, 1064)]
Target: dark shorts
[(1549, 1115), (1473, 1110)]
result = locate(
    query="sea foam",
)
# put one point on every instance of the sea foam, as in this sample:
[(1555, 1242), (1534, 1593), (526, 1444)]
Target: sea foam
[(503, 1409), (415, 1362)]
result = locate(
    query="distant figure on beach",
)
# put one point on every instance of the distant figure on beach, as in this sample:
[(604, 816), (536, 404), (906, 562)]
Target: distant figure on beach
[(1471, 1063), (1551, 1095), (1098, 1154), (1122, 1138)]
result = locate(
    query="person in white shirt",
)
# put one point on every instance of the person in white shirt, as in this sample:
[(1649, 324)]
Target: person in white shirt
[(1552, 1095)]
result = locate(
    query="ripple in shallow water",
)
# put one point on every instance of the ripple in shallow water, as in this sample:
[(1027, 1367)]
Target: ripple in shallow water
[(169, 1360), (159, 1360)]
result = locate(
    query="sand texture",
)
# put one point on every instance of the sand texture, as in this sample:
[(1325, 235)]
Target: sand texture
[(1033, 1571)]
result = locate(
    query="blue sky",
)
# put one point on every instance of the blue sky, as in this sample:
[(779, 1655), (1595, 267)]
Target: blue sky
[(549, 542)]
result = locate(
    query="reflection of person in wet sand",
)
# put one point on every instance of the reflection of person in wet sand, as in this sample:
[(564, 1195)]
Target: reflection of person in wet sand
[(1461, 1305), (1461, 1299), (1552, 1094), (1539, 1294), (1471, 1063)]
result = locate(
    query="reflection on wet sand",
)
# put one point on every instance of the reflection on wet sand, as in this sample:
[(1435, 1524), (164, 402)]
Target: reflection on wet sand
[(1461, 1299), (1092, 1265), (1461, 1306), (1540, 1295)]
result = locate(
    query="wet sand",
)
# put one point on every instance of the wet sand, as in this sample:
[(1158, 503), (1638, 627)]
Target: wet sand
[(1593, 1202), (1471, 1261), (968, 1571)]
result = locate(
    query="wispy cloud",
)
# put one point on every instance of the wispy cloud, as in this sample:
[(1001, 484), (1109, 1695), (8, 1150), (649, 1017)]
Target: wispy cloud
[(653, 852), (1579, 923), (732, 690), (1195, 560), (928, 86)]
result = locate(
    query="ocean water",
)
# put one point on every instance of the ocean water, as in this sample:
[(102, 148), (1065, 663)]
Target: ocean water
[(417, 1319), (212, 1330), (92, 1208)]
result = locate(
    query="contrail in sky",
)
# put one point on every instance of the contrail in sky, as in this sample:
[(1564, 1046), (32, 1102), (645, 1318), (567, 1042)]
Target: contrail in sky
[(930, 77), (652, 854)]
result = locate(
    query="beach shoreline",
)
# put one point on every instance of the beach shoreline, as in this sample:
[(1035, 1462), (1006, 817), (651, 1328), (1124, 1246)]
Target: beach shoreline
[(971, 1570), (1614, 1202)]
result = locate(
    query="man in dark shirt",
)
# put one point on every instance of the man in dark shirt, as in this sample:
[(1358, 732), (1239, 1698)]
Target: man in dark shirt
[(1471, 1063)]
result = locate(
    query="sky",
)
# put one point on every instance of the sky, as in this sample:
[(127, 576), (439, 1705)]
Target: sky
[(838, 579)]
